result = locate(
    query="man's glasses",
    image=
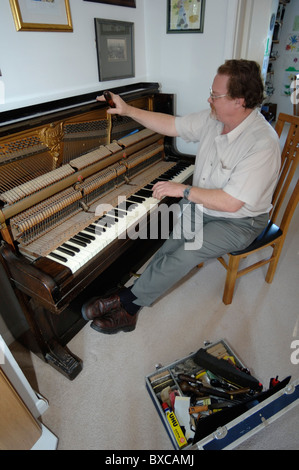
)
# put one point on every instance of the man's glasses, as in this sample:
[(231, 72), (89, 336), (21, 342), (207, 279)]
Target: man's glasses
[(215, 97)]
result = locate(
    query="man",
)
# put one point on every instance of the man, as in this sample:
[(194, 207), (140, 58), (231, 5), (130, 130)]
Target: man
[(236, 169)]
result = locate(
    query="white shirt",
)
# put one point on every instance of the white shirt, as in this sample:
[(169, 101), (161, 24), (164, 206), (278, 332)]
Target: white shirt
[(244, 163)]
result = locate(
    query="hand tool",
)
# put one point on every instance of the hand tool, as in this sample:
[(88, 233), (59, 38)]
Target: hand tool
[(108, 98), (213, 406), (204, 390)]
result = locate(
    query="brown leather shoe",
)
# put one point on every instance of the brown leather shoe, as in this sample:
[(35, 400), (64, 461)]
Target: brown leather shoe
[(115, 321), (97, 306)]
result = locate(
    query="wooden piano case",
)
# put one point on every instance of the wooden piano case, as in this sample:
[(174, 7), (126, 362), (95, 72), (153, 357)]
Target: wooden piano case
[(42, 298)]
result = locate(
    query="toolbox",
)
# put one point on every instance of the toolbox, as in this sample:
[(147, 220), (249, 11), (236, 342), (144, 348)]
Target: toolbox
[(210, 401)]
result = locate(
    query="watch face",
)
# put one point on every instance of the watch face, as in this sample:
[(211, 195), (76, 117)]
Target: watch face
[(186, 193)]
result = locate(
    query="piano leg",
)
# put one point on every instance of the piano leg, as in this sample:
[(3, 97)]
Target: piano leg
[(62, 359), (49, 346)]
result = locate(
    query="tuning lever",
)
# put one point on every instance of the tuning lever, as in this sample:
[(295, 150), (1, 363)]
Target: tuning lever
[(108, 98)]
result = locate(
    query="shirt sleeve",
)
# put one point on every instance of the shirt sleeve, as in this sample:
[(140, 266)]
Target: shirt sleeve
[(192, 126)]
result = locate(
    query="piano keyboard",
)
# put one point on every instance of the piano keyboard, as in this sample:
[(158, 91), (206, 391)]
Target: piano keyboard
[(84, 246)]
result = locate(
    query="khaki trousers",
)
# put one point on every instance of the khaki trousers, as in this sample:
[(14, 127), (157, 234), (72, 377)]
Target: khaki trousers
[(212, 237)]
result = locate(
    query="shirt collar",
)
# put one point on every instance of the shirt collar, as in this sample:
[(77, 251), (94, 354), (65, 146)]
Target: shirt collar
[(234, 134)]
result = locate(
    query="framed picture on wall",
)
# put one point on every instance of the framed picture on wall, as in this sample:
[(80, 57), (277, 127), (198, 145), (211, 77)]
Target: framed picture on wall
[(185, 16), (121, 3), (46, 15), (115, 49)]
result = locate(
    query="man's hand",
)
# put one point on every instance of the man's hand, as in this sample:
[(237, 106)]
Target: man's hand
[(121, 107), (167, 188)]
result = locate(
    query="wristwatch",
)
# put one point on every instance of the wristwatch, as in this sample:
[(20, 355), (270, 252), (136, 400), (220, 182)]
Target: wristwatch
[(186, 192)]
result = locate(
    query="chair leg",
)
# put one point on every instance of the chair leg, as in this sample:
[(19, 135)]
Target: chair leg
[(273, 263), (231, 277)]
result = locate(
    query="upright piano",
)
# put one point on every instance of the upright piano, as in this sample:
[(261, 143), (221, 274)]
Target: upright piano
[(73, 181)]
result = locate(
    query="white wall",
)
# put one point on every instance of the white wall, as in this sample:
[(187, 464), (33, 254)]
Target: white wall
[(42, 66), (185, 64)]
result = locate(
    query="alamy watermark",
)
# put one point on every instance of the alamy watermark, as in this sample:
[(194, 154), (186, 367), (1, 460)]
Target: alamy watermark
[(126, 222), (295, 353)]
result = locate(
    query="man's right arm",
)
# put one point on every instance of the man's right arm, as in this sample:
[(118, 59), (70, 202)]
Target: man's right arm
[(157, 122)]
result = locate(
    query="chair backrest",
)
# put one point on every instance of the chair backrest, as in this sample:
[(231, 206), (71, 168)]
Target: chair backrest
[(289, 160)]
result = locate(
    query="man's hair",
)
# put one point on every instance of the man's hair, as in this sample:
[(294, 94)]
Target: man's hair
[(245, 81)]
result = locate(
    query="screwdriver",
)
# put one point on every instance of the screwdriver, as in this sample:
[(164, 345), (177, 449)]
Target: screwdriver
[(213, 406)]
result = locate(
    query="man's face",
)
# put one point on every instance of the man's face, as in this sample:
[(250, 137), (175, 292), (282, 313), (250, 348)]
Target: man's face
[(221, 106)]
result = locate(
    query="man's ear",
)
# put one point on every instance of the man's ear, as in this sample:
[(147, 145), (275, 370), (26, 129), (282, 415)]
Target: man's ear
[(240, 102)]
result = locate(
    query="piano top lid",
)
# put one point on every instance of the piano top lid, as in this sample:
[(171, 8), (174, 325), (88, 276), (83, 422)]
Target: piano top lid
[(20, 119)]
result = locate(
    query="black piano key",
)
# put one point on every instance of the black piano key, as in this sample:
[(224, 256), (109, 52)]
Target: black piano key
[(159, 179), (106, 221), (78, 242), (131, 200), (90, 229), (95, 225), (104, 225), (71, 248), (85, 235), (129, 204), (97, 229), (117, 213), (58, 257), (82, 239), (143, 194), (66, 251)]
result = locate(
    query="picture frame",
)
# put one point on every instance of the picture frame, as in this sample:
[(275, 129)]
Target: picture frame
[(46, 15), (185, 16), (115, 49), (121, 3)]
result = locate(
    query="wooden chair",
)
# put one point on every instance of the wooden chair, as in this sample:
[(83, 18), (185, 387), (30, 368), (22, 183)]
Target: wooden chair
[(274, 235)]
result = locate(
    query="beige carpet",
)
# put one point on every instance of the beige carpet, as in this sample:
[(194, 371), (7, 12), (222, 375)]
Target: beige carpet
[(108, 407)]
